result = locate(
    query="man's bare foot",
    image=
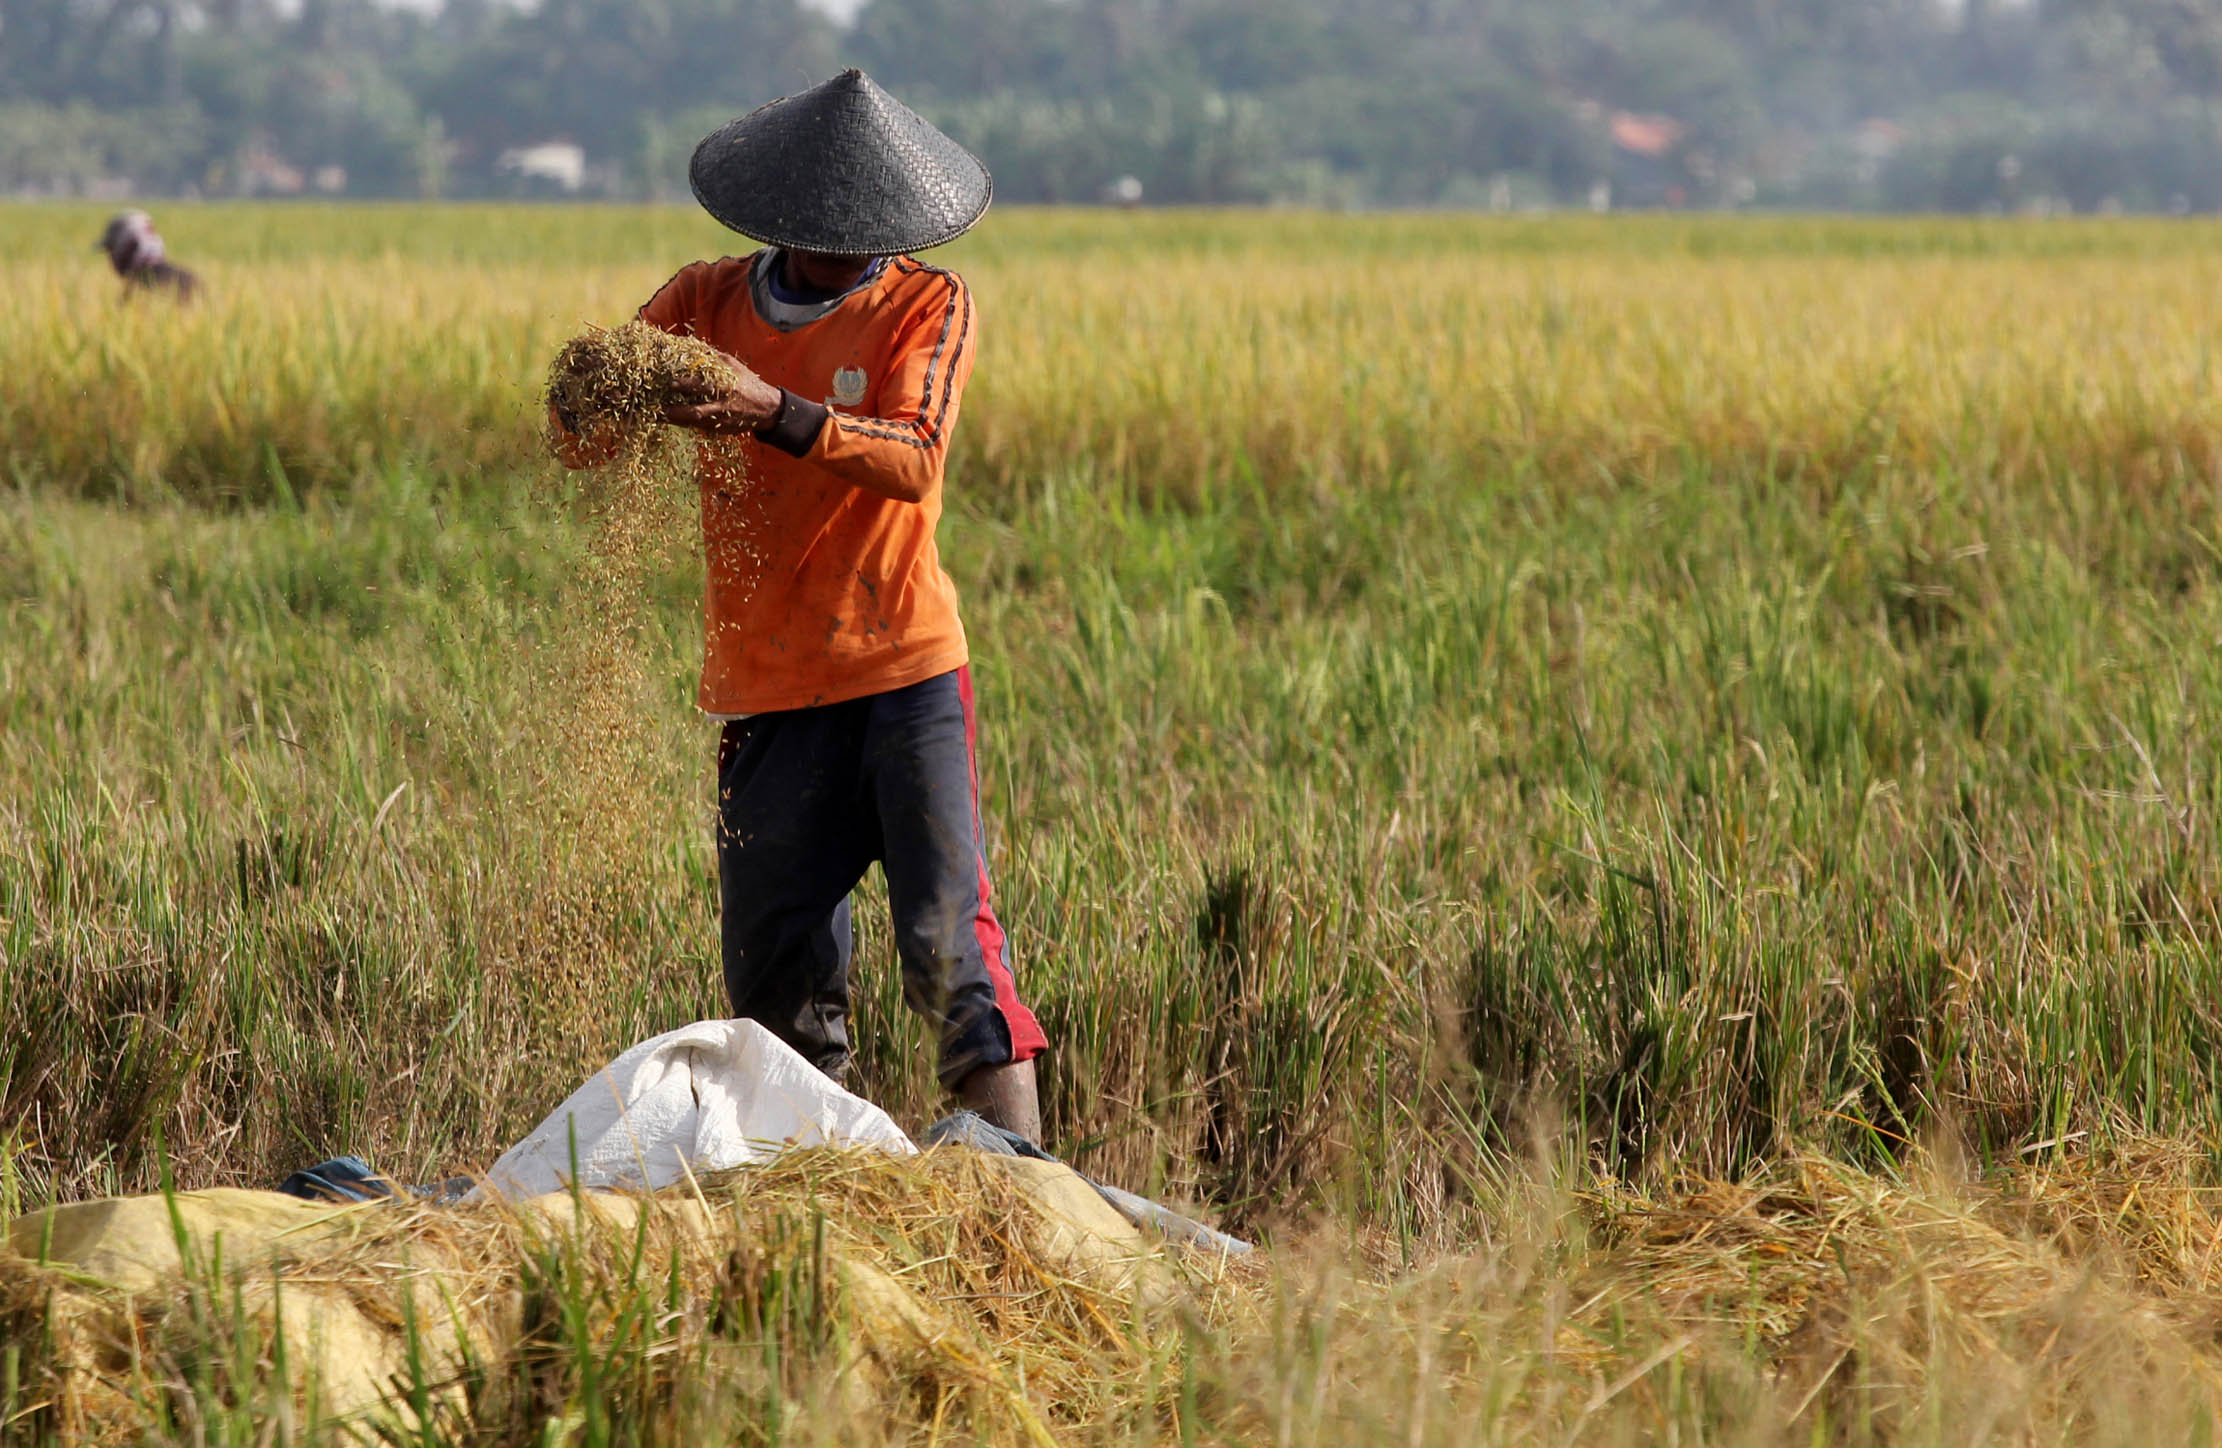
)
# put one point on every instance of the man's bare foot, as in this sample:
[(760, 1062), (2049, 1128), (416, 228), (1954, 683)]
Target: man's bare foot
[(1005, 1096)]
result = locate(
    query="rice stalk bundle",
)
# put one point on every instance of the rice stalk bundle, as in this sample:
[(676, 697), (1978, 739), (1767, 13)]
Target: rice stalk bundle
[(623, 377)]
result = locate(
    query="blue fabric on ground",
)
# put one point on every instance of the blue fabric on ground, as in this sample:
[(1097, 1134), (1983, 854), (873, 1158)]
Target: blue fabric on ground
[(350, 1179), (969, 1128), (342, 1179)]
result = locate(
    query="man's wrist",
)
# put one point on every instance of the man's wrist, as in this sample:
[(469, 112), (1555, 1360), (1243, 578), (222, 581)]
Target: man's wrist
[(794, 428)]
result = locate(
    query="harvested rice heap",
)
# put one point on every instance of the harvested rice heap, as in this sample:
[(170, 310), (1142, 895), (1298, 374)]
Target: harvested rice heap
[(993, 1295), (623, 377), (952, 1297)]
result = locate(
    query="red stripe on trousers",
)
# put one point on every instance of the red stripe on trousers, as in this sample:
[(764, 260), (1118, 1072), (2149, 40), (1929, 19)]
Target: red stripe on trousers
[(1027, 1039)]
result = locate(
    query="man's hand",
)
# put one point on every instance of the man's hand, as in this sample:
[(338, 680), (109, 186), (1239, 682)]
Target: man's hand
[(735, 404)]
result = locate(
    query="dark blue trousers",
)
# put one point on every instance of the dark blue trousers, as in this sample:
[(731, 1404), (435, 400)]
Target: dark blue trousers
[(808, 799)]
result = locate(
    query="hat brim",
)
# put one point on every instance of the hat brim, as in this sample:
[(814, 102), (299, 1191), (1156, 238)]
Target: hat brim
[(832, 241), (843, 168)]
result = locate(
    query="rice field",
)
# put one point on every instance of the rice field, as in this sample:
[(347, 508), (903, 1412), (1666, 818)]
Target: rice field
[(1633, 795)]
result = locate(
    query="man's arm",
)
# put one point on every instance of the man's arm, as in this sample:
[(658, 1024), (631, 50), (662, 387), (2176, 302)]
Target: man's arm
[(900, 453)]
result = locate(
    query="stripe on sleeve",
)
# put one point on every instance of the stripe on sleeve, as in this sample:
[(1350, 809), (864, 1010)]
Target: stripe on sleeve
[(956, 314)]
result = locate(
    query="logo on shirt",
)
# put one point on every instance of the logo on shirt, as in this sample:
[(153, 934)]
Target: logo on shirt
[(848, 387)]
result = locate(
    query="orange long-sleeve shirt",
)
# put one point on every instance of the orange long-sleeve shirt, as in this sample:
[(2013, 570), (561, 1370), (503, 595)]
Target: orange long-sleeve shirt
[(822, 582)]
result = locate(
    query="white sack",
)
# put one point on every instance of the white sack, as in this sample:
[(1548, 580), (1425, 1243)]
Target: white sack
[(705, 1097)]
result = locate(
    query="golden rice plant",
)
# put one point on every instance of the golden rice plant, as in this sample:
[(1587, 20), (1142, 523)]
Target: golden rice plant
[(1388, 345)]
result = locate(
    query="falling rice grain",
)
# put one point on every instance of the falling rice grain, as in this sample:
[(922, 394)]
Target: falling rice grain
[(604, 793)]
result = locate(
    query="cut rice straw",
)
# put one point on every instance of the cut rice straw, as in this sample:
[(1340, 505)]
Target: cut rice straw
[(623, 377)]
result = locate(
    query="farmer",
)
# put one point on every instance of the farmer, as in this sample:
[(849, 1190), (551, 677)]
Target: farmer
[(136, 251), (833, 652)]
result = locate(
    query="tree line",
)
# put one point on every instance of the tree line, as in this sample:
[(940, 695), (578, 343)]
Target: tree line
[(1906, 104)]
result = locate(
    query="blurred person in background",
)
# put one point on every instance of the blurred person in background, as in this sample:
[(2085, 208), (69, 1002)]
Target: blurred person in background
[(136, 251), (833, 653)]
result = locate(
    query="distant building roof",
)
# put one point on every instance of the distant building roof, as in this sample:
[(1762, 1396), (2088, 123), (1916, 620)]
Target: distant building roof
[(1646, 135), (557, 161), (1878, 139)]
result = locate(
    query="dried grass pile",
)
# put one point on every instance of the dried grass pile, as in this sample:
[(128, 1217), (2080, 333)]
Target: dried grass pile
[(2045, 1290), (956, 1298), (965, 1287)]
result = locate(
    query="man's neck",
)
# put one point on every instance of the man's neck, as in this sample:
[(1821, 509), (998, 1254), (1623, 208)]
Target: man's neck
[(820, 278)]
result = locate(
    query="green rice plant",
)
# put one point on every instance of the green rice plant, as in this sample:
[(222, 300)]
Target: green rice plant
[(1670, 694)]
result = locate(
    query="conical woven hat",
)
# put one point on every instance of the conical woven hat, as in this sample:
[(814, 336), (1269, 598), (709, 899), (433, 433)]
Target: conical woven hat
[(843, 168)]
